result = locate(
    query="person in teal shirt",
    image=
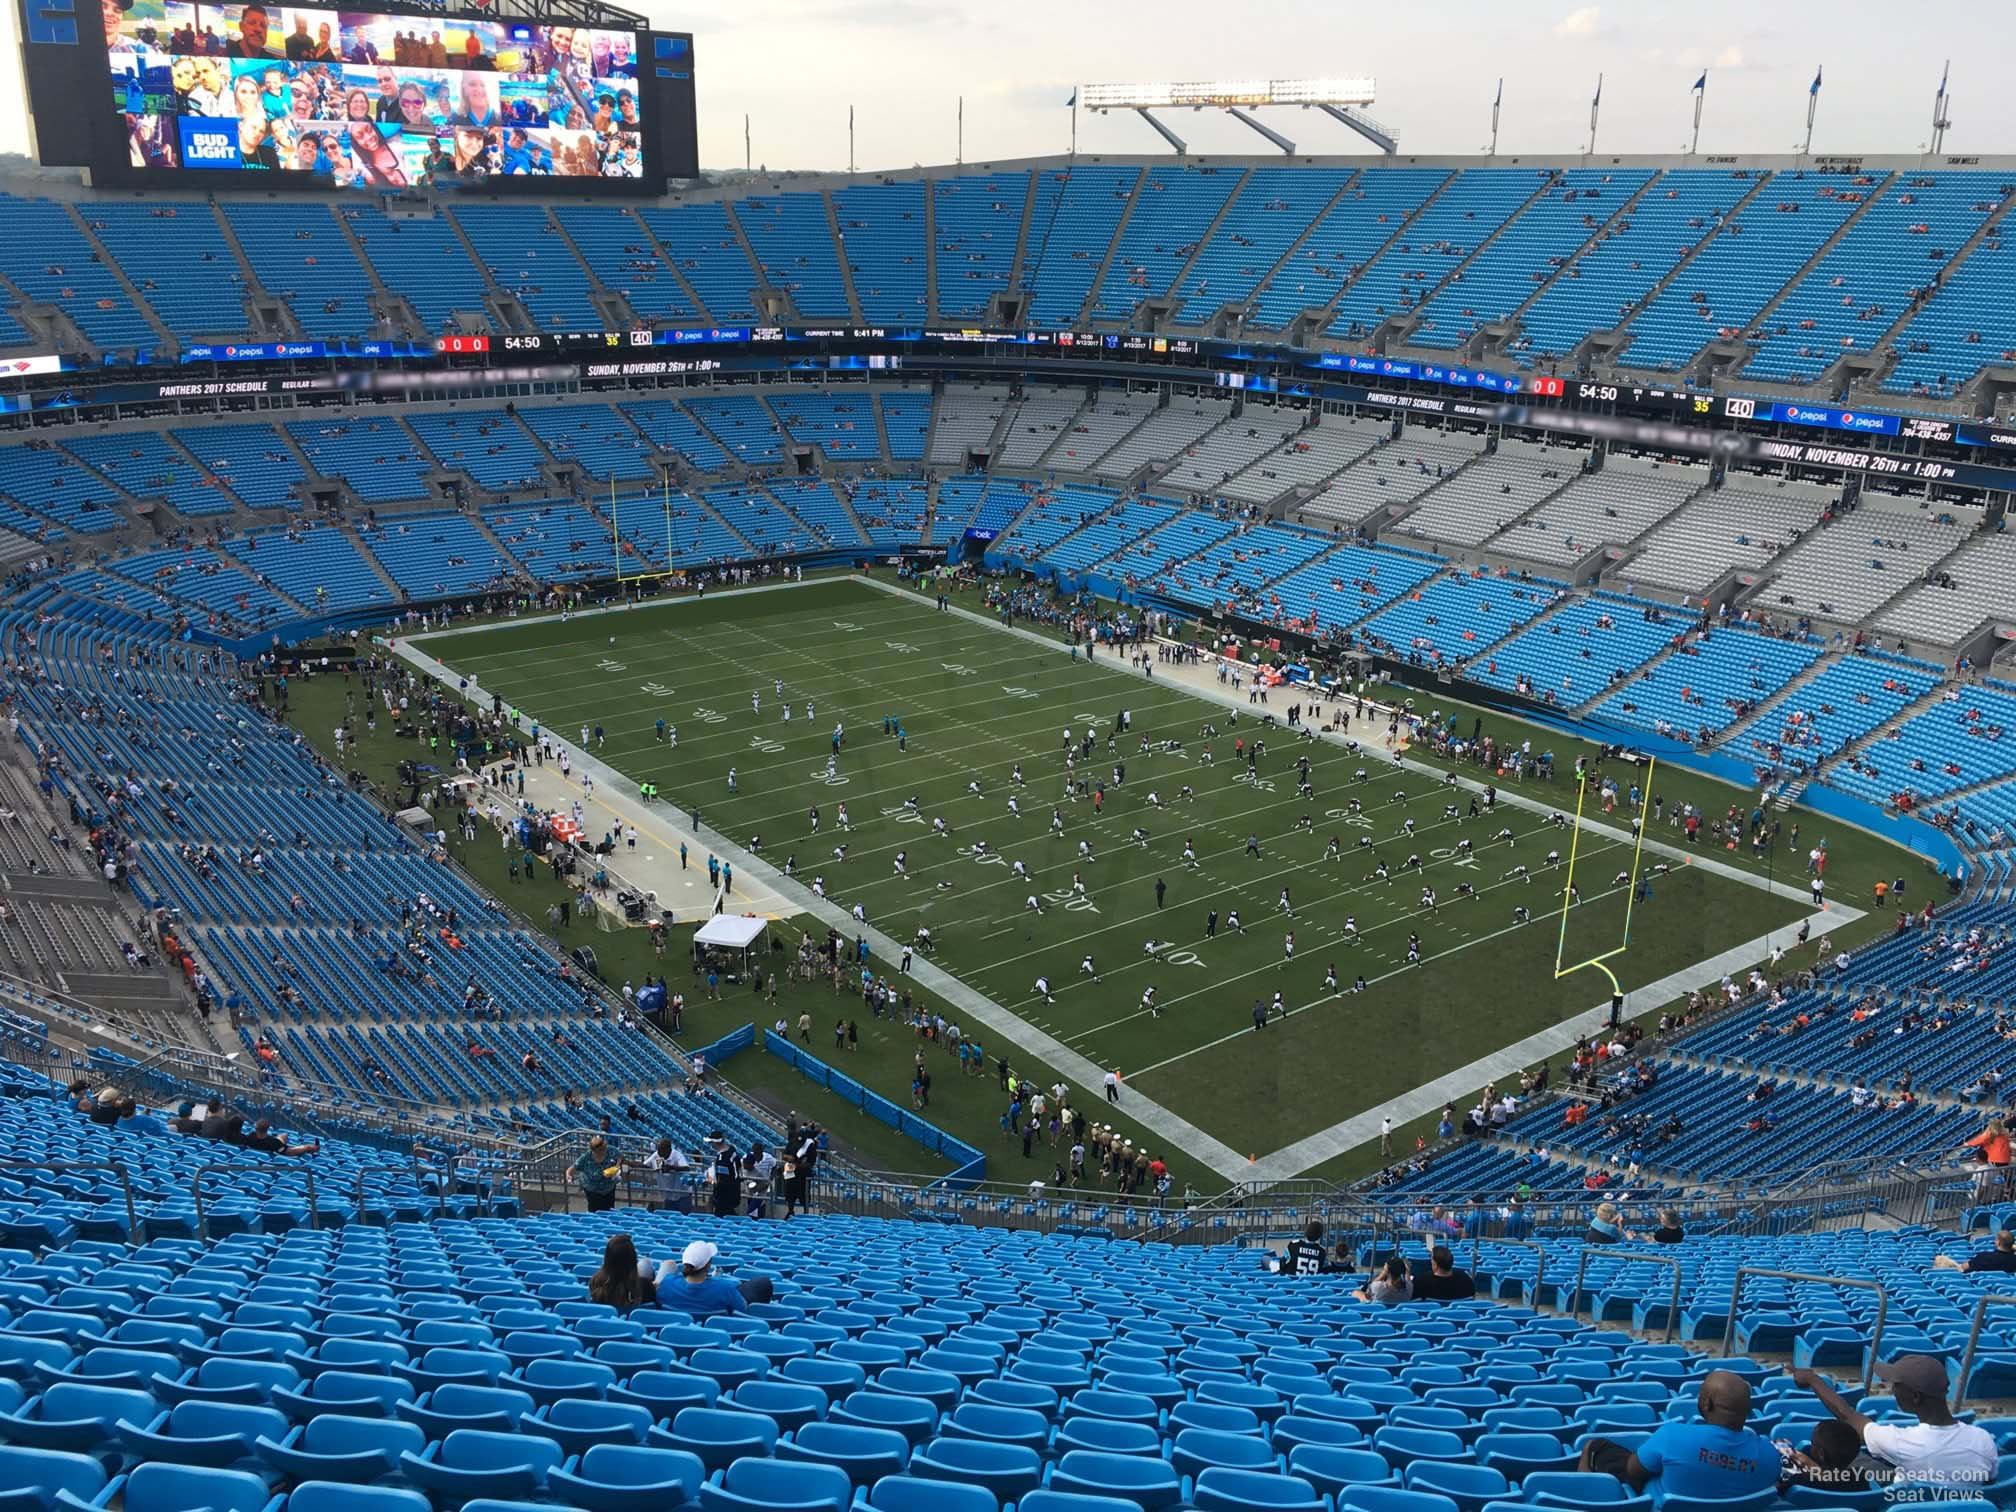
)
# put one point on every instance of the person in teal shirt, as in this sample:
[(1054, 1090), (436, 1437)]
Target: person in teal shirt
[(596, 1171), (1718, 1459)]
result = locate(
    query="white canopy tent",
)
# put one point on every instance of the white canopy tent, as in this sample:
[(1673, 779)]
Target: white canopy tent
[(735, 934)]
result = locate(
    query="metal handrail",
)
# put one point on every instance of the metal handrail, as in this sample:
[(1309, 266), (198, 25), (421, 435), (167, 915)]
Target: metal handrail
[(1882, 1306), (416, 1170), (1539, 1271), (196, 1192), (1993, 1299), (116, 1167), (1582, 1270)]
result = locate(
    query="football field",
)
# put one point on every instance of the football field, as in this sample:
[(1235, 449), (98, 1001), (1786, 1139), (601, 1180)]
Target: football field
[(1121, 957)]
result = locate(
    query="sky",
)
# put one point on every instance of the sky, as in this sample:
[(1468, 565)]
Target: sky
[(795, 66)]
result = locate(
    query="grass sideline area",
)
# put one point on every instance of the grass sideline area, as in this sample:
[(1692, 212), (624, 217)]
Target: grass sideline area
[(974, 703)]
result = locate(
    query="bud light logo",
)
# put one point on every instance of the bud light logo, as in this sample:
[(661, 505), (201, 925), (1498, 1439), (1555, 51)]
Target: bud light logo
[(206, 144)]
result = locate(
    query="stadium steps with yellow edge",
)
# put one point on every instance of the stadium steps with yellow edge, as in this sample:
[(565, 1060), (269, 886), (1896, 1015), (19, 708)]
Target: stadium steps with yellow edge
[(1240, 309), (388, 303), (126, 285), (772, 303), (1508, 328), (1872, 363), (1738, 347), (615, 308), (930, 268), (1394, 330), (267, 314), (1112, 248), (1934, 696), (649, 238), (1315, 322), (1665, 655), (399, 594), (504, 308), (1599, 346), (226, 556), (1023, 227), (475, 517), (1168, 296), (846, 263)]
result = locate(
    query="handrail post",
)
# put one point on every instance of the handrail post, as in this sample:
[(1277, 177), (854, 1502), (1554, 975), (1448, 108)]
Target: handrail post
[(202, 1212), (1539, 1271), (1882, 1307), (116, 1167), (1582, 1270), (1993, 1299), (363, 1172)]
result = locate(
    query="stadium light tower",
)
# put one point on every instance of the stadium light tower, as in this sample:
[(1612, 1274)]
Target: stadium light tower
[(1340, 99)]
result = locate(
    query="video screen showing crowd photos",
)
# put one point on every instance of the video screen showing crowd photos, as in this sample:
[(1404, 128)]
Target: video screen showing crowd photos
[(369, 100)]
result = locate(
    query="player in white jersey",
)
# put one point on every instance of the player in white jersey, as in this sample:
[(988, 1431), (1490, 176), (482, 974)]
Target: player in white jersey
[(937, 826), (1043, 984), (902, 863), (841, 819), (1020, 870), (1330, 978), (1014, 808), (755, 702), (1189, 853), (974, 789), (1056, 820), (1016, 775), (1084, 850), (1086, 968), (1288, 946), (839, 853), (1350, 929), (818, 887), (1285, 903), (1078, 884), (731, 779), (860, 914), (1148, 1002), (672, 736)]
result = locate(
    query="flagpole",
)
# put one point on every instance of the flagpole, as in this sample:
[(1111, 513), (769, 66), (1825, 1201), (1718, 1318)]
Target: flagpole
[(1812, 109), (1074, 123), (959, 150), (1700, 95), (1595, 105), (850, 138), (1496, 101)]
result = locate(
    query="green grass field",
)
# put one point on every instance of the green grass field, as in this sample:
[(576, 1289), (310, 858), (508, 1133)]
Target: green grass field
[(976, 702)]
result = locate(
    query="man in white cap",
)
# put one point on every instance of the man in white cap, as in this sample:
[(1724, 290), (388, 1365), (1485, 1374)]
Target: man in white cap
[(698, 1291)]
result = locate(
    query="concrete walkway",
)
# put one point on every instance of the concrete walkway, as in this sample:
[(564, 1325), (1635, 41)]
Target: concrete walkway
[(760, 888)]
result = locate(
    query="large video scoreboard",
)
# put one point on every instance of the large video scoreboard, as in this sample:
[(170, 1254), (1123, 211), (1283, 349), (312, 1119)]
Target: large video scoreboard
[(189, 96)]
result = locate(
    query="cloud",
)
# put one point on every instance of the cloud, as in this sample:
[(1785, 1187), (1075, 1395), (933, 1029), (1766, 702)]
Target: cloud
[(1729, 57), (1585, 22)]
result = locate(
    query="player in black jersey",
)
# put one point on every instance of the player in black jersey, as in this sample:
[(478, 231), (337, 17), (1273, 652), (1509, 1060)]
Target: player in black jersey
[(1304, 1256)]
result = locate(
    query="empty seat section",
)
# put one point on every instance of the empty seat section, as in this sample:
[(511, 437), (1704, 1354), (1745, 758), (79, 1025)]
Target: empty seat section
[(147, 466), (625, 259), (378, 459), (704, 248), (301, 255), (882, 232), (793, 242), (425, 260), (177, 258), (528, 255), (1172, 211), (977, 219)]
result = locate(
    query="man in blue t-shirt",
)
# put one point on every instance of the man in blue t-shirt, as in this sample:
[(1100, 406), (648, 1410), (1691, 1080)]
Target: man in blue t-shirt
[(1716, 1459), (697, 1290)]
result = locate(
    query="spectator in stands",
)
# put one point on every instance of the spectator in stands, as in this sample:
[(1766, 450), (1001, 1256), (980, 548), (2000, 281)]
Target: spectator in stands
[(2002, 1257), (624, 1281), (1604, 1225), (1444, 1282), (597, 1172), (1935, 1452), (703, 1294), (1392, 1285), (1719, 1458), (264, 1139), (1827, 1463), (1669, 1230)]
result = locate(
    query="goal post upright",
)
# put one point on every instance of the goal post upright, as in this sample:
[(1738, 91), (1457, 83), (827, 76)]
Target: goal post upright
[(1600, 962)]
